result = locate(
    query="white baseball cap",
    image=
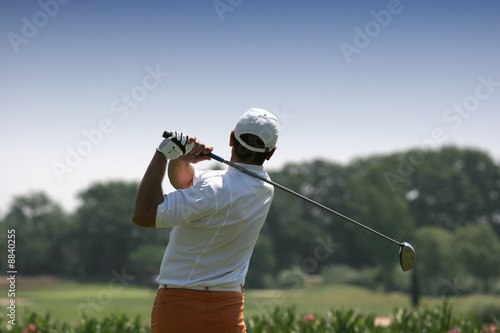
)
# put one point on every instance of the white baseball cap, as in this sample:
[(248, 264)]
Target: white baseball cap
[(261, 123)]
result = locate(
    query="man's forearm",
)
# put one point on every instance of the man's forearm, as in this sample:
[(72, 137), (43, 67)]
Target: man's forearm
[(150, 193)]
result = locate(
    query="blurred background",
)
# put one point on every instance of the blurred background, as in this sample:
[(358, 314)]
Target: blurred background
[(388, 112)]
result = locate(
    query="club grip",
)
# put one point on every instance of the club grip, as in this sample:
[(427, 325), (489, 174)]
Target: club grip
[(167, 134), (215, 157)]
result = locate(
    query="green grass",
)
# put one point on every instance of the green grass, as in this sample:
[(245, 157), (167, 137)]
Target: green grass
[(66, 300), (321, 299)]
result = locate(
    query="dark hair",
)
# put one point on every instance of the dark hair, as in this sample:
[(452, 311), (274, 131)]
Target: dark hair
[(246, 155)]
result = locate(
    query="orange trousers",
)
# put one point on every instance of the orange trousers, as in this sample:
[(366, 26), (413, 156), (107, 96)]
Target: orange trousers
[(187, 311)]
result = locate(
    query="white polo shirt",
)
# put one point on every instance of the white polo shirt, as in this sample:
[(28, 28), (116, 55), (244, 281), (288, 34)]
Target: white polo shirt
[(215, 224)]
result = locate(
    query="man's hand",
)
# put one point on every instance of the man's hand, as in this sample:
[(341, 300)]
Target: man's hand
[(177, 144), (198, 153), (180, 170)]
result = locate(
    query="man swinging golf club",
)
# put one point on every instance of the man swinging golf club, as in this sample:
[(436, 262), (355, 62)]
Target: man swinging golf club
[(216, 217)]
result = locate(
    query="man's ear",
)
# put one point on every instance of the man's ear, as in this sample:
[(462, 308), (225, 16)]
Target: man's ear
[(270, 154), (231, 139)]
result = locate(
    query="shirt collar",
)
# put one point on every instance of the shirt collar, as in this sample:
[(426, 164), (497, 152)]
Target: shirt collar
[(251, 167)]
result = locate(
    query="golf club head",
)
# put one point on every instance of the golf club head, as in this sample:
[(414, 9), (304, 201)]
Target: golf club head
[(406, 256)]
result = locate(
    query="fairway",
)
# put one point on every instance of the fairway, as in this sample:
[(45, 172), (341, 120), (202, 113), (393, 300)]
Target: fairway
[(68, 300)]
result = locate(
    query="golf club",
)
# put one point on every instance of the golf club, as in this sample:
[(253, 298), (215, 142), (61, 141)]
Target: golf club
[(406, 251)]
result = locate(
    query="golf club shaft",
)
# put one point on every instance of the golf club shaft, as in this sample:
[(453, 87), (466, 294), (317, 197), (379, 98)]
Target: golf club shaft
[(281, 187)]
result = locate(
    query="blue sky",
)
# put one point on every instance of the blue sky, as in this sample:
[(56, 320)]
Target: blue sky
[(346, 79)]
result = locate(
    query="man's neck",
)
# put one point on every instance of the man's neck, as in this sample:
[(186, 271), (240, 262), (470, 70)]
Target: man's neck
[(235, 159)]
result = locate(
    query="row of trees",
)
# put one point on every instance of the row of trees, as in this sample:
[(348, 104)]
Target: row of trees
[(400, 195), (446, 203)]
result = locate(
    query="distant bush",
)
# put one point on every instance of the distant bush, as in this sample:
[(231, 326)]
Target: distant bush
[(496, 289), (291, 278), (487, 313), (144, 263), (347, 275)]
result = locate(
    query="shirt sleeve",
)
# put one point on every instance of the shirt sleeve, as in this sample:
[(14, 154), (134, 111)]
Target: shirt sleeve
[(202, 175), (186, 205)]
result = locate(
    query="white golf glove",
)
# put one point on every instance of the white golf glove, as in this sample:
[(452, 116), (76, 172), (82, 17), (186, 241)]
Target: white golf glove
[(174, 145)]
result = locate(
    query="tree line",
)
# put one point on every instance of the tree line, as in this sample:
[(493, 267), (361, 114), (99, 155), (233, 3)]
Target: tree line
[(445, 202)]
